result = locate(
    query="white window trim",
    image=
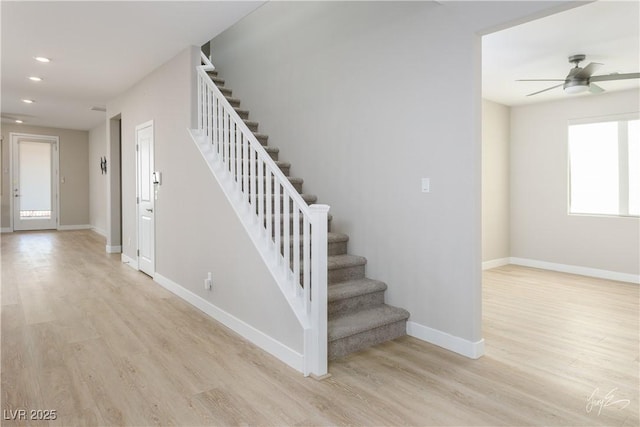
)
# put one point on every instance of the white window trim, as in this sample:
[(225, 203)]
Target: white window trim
[(623, 163)]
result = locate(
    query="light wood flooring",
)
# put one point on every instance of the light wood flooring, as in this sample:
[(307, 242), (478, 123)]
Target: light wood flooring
[(102, 344)]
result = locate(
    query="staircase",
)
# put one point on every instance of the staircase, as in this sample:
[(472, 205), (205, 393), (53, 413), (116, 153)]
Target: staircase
[(357, 315)]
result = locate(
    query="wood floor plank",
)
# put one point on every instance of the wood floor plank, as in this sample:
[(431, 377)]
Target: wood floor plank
[(104, 345)]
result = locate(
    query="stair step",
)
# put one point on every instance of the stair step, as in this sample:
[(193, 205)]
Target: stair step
[(272, 151), (309, 198), (355, 295), (364, 328), (253, 126), (244, 114), (235, 102), (217, 80), (345, 267), (284, 167), (274, 219), (212, 72), (225, 91), (296, 182), (335, 243), (262, 138)]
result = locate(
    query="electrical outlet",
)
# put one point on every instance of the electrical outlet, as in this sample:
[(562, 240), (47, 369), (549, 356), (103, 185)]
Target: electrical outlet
[(208, 282)]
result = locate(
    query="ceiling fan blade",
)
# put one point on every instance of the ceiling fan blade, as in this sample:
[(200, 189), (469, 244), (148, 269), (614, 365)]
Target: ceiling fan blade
[(594, 88), (544, 90), (608, 77), (587, 71), (540, 80)]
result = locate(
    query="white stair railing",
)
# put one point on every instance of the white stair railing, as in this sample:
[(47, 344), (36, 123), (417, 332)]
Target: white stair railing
[(290, 235)]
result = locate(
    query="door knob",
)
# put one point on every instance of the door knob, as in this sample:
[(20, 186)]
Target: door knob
[(149, 210)]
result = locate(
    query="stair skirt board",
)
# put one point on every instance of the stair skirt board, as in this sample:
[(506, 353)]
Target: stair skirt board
[(253, 335)]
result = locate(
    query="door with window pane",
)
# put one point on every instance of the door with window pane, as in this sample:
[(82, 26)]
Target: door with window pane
[(34, 189)]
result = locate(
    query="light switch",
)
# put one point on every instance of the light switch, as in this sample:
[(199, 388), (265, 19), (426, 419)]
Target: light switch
[(426, 185)]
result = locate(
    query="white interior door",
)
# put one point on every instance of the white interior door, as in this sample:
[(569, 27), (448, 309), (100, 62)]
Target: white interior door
[(34, 182), (146, 198)]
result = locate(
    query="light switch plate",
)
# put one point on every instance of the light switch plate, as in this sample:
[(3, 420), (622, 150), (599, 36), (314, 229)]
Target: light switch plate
[(426, 185)]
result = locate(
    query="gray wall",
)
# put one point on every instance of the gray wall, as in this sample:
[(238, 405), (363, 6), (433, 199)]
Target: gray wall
[(196, 229), (97, 180), (495, 181), (74, 167), (365, 99), (541, 229)]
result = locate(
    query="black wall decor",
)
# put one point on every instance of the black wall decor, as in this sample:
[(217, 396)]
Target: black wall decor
[(103, 165)]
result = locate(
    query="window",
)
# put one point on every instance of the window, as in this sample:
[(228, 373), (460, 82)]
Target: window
[(604, 167)]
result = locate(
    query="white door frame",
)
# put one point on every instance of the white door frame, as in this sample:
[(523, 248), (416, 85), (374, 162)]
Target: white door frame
[(14, 138), (144, 207)]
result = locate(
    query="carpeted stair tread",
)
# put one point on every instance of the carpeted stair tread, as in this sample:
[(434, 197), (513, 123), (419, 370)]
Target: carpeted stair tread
[(212, 72), (331, 238), (337, 237), (342, 261), (217, 80), (292, 179), (251, 124), (262, 138), (365, 320), (244, 114), (354, 288), (235, 102)]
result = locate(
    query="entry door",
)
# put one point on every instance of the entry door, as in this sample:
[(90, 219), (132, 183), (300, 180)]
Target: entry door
[(34, 189), (146, 198)]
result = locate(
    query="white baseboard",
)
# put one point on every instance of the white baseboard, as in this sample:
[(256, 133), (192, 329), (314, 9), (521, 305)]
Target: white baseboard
[(133, 263), (473, 350), (74, 227), (576, 269), (6, 230), (494, 263), (259, 338), (113, 249), (100, 231)]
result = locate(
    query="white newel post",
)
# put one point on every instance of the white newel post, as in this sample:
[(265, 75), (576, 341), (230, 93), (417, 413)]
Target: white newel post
[(318, 365)]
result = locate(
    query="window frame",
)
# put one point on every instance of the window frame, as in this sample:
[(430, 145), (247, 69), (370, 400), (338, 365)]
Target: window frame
[(623, 162)]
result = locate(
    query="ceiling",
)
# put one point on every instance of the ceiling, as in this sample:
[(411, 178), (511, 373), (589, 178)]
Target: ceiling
[(605, 31), (101, 48), (98, 49)]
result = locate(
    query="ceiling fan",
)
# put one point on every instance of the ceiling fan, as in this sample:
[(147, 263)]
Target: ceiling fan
[(582, 79)]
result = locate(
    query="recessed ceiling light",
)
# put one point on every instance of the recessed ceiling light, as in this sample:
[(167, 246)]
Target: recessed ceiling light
[(19, 121), (35, 79), (28, 101), (41, 59)]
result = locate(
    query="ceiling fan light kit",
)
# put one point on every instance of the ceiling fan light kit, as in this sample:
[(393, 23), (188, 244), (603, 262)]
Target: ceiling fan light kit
[(580, 79)]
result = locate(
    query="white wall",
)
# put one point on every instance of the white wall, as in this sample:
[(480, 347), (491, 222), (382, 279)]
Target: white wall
[(541, 229), (196, 230), (365, 99), (98, 180), (495, 183)]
